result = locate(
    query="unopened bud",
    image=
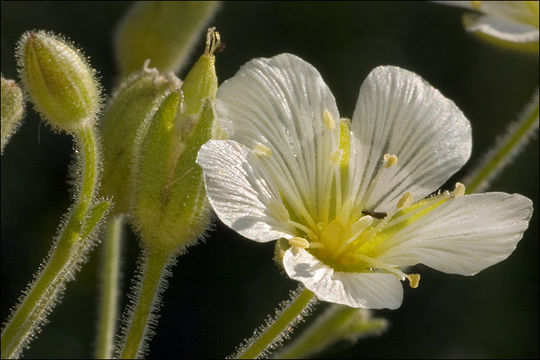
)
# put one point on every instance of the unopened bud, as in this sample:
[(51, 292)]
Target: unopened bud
[(201, 81), (12, 109), (163, 31), (59, 80), (170, 206), (125, 122)]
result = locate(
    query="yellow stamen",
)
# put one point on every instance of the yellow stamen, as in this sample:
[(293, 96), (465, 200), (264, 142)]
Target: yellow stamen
[(389, 160), (361, 224), (316, 245), (380, 265), (459, 190), (405, 201), (303, 228), (262, 150), (328, 120), (414, 280), (299, 242)]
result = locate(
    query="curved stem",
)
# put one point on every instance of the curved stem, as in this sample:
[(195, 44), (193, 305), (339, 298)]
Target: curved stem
[(110, 271), (153, 271), (498, 157), (43, 293), (284, 322)]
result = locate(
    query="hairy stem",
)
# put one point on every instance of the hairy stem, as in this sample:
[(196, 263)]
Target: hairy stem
[(291, 314), (338, 322), (110, 271), (152, 280), (64, 257), (502, 152)]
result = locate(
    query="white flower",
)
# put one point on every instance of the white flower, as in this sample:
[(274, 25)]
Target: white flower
[(506, 21), (350, 196)]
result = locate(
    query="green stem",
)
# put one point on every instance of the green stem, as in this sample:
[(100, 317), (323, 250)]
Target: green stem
[(43, 293), (498, 157), (109, 288), (338, 322), (290, 315), (153, 272)]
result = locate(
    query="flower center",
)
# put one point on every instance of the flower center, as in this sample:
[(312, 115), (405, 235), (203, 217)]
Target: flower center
[(349, 237)]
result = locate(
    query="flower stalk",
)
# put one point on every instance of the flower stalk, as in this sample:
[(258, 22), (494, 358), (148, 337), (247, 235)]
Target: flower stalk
[(153, 272), (505, 149), (292, 313), (67, 253), (110, 273), (170, 210), (338, 322)]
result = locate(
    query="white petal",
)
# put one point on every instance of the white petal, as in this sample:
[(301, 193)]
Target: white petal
[(399, 113), (462, 236), (524, 12), (239, 194), (501, 28), (359, 290), (280, 102)]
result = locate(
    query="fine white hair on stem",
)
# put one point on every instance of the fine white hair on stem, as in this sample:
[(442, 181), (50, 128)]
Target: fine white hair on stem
[(506, 148), (270, 320), (134, 295)]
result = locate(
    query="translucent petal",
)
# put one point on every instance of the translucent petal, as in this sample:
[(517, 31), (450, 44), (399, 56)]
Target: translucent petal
[(398, 113), (463, 235), (238, 192), (501, 28), (359, 290), (279, 103)]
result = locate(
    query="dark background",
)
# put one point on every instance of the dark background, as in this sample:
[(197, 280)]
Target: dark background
[(223, 288)]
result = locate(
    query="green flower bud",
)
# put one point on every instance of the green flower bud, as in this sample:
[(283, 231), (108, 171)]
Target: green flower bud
[(124, 124), (59, 80), (12, 109), (201, 81), (162, 31), (171, 209)]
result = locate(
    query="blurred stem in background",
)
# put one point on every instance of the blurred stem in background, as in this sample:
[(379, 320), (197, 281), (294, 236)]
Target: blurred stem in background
[(505, 149), (163, 31), (110, 273), (337, 323)]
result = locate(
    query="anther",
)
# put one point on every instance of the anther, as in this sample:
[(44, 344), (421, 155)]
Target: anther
[(299, 242), (336, 157), (389, 160), (262, 150), (361, 224), (328, 120), (458, 191), (414, 280), (405, 201), (316, 245)]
